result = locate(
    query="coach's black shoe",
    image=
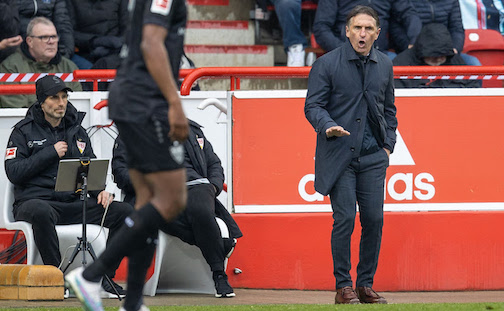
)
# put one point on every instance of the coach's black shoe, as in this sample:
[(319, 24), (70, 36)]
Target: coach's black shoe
[(222, 287), (110, 293)]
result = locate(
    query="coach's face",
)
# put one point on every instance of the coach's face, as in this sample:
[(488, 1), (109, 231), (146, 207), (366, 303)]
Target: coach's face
[(54, 107), (362, 33)]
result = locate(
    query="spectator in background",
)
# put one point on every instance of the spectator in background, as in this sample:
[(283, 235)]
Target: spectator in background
[(433, 47), (446, 12), (54, 10), (486, 14), (99, 28), (38, 54), (330, 20), (9, 28), (294, 41)]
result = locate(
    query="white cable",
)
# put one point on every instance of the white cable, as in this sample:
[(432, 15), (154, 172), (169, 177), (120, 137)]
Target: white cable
[(102, 221), (65, 256)]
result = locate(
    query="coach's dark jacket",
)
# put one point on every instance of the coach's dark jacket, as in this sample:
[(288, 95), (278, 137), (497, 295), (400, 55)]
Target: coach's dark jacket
[(201, 161), (34, 168), (337, 96)]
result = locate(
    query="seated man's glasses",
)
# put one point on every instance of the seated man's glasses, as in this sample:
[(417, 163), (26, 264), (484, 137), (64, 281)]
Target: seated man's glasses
[(47, 38)]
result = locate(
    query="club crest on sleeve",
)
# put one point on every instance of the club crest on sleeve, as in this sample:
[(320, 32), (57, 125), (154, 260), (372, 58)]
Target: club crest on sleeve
[(10, 153), (161, 6)]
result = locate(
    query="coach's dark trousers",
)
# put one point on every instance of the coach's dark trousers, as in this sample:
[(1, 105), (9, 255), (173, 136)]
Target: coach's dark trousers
[(196, 225), (44, 215), (363, 182)]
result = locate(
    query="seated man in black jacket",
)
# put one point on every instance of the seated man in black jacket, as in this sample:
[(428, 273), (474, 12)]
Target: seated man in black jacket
[(433, 47), (196, 225), (52, 131)]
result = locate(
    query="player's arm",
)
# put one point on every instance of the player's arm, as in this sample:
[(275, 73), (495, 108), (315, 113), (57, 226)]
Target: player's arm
[(157, 61)]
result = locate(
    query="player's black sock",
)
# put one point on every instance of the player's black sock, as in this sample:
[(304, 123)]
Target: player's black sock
[(138, 230), (138, 264)]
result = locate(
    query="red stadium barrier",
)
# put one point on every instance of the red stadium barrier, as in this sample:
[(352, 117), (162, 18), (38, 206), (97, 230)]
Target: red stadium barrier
[(236, 73), (91, 75), (16, 89), (400, 72)]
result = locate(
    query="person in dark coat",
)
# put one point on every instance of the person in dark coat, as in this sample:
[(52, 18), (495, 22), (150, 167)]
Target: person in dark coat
[(99, 27), (196, 225), (446, 12), (54, 10), (52, 131), (355, 121), (9, 28), (434, 47), (330, 21)]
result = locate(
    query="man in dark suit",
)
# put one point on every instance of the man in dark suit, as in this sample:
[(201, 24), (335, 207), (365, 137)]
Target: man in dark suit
[(350, 104)]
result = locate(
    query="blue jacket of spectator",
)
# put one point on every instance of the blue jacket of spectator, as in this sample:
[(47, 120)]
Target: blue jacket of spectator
[(446, 12), (330, 20)]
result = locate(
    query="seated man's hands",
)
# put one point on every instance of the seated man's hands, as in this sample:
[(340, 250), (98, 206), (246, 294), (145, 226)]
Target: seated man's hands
[(104, 198), (61, 148)]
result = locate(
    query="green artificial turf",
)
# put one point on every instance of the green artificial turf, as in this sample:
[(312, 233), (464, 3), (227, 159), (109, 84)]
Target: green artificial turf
[(309, 307)]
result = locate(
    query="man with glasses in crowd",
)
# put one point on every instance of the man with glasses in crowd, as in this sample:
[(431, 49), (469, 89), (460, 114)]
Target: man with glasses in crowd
[(38, 54)]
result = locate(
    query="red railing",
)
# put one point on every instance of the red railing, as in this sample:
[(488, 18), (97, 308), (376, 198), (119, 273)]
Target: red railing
[(96, 75), (91, 75), (236, 73), (410, 72)]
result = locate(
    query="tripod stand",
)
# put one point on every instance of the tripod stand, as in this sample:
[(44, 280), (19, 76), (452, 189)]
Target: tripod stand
[(83, 245)]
